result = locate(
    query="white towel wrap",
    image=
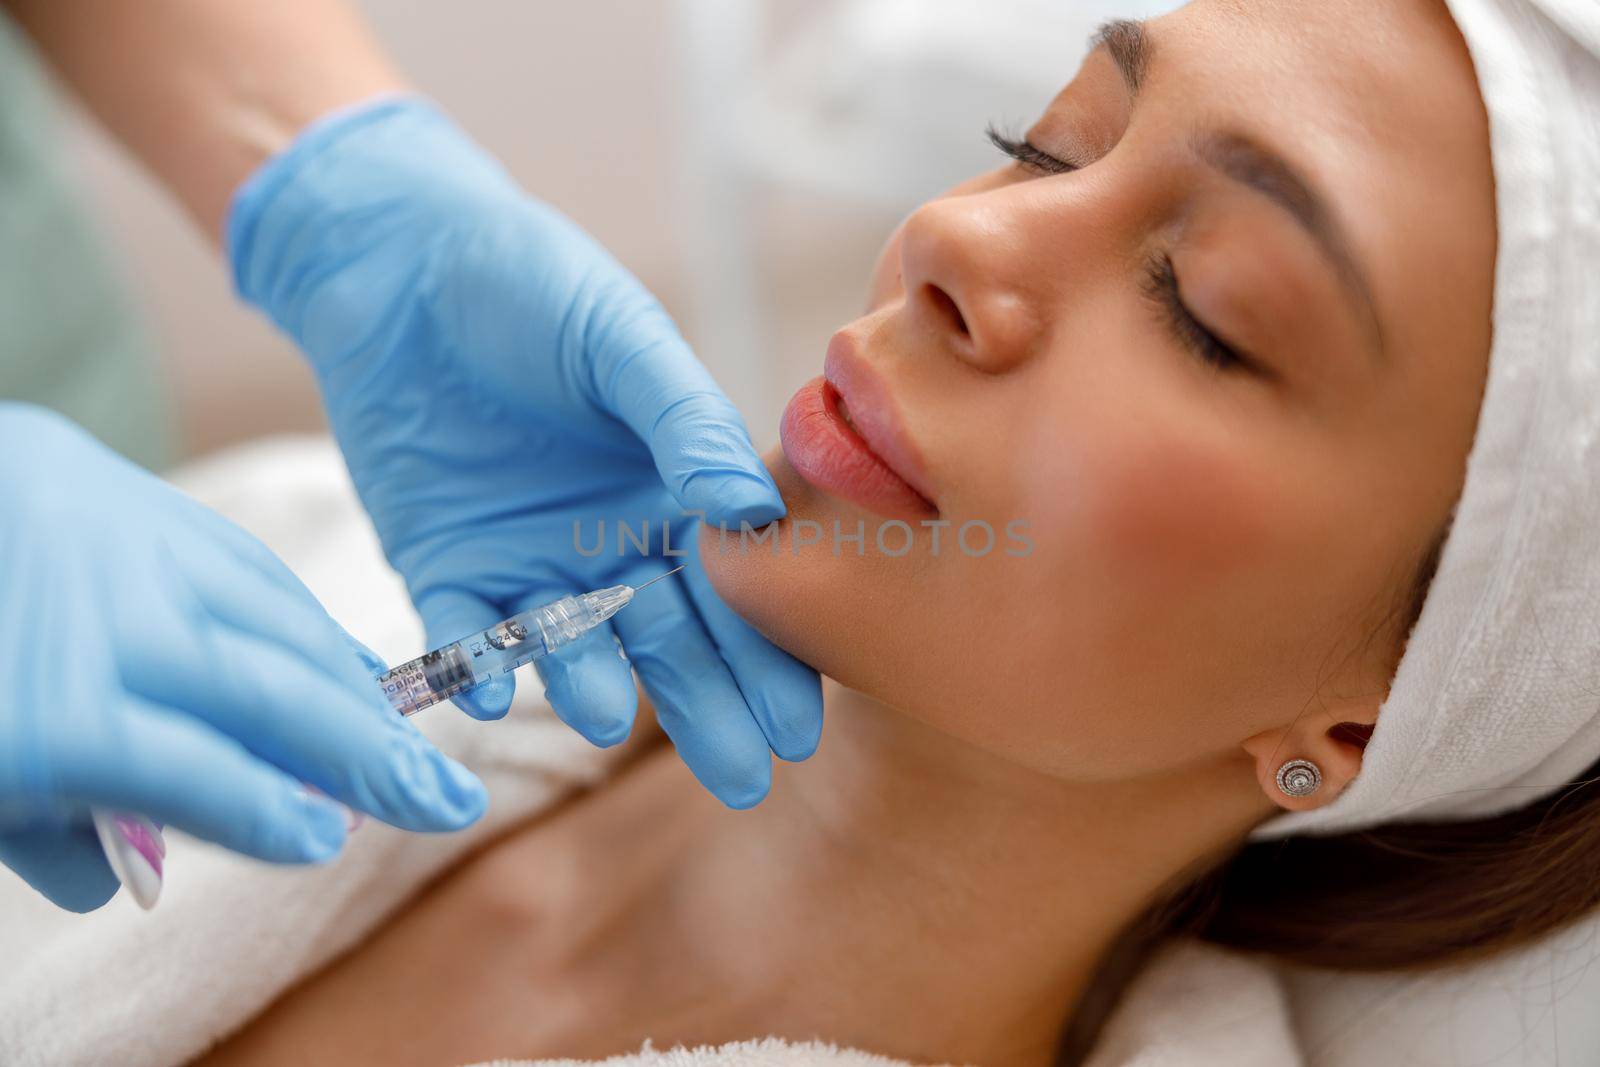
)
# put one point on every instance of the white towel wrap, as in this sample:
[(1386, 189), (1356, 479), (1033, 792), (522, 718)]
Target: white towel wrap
[(1496, 702)]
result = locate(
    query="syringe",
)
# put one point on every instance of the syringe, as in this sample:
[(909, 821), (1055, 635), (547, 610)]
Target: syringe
[(133, 844), (463, 665)]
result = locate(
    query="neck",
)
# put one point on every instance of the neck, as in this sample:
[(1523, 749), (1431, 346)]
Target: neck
[(945, 904)]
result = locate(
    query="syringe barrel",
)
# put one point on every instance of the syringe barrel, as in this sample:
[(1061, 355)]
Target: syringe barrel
[(470, 662)]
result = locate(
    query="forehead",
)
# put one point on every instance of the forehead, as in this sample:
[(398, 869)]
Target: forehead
[(1347, 71)]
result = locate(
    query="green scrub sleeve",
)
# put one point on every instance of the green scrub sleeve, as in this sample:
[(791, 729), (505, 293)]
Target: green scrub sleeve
[(69, 337)]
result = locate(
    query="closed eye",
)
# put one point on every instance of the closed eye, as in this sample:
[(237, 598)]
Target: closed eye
[(1161, 285), (1031, 157), (1161, 280)]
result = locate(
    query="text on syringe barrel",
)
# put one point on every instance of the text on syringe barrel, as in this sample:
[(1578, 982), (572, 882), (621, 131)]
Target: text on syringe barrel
[(428, 679)]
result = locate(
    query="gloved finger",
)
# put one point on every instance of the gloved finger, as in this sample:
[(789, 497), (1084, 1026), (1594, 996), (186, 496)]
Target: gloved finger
[(64, 863), (239, 580), (370, 660), (450, 614), (784, 695), (696, 436), (587, 682), (284, 710), (180, 772), (697, 701), (241, 543)]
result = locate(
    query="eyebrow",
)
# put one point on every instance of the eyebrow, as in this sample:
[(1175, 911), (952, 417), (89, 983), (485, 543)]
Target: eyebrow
[(1129, 46), (1253, 165)]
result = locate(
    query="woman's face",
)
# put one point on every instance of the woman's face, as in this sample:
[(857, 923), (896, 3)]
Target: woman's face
[(1205, 363)]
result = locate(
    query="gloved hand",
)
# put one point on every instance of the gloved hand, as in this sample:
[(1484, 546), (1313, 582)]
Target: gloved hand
[(501, 386), (156, 658)]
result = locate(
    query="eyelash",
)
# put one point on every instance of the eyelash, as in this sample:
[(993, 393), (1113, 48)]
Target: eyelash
[(1161, 280), (1161, 285), (1034, 159)]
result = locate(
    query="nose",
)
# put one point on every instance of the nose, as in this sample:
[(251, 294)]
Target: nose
[(963, 261)]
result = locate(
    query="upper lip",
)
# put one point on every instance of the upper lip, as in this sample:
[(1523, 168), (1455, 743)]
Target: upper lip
[(873, 414)]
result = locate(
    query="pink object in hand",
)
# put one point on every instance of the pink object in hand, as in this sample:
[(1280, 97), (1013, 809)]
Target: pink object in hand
[(135, 850)]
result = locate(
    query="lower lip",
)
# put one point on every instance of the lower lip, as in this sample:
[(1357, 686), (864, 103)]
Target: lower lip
[(830, 455)]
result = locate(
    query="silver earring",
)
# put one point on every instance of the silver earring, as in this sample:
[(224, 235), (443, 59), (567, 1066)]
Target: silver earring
[(1299, 778)]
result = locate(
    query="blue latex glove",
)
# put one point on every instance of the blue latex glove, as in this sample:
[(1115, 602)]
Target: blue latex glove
[(156, 658), (494, 377)]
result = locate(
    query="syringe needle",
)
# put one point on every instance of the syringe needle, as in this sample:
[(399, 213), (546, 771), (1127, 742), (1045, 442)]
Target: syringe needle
[(658, 577)]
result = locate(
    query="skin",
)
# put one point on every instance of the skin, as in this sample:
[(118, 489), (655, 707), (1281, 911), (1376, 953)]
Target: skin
[(203, 91), (1218, 555)]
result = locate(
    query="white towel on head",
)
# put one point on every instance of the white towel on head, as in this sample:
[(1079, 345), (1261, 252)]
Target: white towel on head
[(1496, 702)]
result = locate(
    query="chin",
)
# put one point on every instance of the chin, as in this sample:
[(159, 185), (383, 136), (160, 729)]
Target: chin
[(813, 604), (776, 591)]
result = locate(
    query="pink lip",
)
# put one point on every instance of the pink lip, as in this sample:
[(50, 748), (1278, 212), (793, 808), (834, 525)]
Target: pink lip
[(868, 460)]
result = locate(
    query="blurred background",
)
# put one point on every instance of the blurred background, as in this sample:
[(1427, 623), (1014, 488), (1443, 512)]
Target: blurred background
[(746, 158)]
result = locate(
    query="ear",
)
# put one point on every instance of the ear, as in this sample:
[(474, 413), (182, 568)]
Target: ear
[(1333, 738)]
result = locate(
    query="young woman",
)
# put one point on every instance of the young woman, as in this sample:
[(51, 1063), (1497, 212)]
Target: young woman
[(1205, 357)]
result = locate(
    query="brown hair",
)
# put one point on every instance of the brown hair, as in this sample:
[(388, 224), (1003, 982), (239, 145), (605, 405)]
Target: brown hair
[(1394, 897)]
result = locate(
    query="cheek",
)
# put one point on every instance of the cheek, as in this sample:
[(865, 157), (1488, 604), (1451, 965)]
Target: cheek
[(1164, 556), (1156, 492), (1175, 512)]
